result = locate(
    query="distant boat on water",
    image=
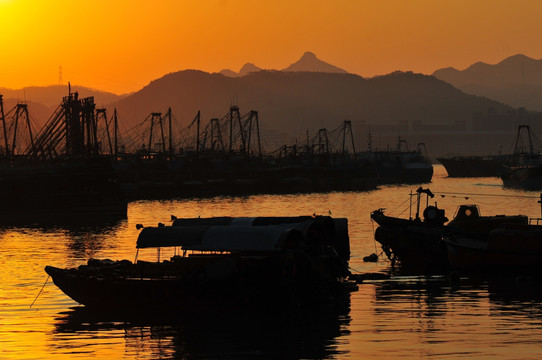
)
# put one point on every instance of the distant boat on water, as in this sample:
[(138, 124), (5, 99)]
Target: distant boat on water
[(401, 165), (524, 170)]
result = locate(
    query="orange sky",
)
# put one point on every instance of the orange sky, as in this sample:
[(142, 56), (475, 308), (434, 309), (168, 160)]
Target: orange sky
[(121, 45)]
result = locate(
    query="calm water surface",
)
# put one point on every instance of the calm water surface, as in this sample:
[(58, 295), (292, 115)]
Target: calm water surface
[(407, 317)]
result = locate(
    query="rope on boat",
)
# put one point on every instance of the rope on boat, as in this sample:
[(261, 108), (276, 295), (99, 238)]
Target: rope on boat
[(402, 212), (497, 195), (48, 276), (374, 241), (403, 203)]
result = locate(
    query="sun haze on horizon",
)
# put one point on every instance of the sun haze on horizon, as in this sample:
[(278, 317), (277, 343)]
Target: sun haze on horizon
[(120, 46)]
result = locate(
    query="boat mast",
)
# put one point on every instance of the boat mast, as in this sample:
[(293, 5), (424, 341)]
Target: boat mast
[(197, 133), (25, 110), (102, 114), (170, 133), (517, 149), (4, 124), (116, 126)]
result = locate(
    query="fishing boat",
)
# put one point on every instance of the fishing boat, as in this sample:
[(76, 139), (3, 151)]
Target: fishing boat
[(222, 261), (526, 176), (402, 166), (416, 242), (524, 170), (511, 247)]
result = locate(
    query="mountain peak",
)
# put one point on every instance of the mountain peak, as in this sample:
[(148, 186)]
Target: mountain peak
[(228, 72), (248, 68), (517, 59), (309, 62), (308, 56), (245, 70)]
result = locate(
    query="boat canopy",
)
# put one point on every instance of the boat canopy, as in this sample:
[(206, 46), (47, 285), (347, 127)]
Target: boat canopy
[(222, 238), (165, 236), (253, 221), (257, 234), (247, 238)]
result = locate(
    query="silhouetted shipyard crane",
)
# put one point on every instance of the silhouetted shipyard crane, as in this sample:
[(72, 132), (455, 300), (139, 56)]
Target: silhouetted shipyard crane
[(337, 141), (70, 132), (241, 131), (17, 129)]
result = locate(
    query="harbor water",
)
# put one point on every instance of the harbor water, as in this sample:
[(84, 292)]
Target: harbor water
[(406, 316)]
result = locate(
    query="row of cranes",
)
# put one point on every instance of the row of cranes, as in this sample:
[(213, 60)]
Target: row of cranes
[(232, 133), (338, 141), (158, 156), (78, 129)]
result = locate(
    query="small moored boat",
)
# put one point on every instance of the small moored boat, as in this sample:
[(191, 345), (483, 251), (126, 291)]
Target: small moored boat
[(223, 261), (416, 242), (510, 248)]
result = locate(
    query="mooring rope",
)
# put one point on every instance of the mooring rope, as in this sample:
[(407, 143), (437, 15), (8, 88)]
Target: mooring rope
[(374, 240), (40, 291)]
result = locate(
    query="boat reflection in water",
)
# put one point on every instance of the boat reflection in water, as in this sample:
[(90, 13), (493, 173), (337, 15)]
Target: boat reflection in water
[(228, 333), (448, 317)]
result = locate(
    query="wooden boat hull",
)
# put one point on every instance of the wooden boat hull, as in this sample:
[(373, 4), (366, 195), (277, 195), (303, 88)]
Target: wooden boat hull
[(414, 246), (527, 177), (473, 166), (189, 290)]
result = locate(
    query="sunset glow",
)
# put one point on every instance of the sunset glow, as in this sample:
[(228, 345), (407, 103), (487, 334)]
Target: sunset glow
[(122, 45)]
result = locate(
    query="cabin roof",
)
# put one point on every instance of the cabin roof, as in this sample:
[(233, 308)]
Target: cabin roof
[(242, 237)]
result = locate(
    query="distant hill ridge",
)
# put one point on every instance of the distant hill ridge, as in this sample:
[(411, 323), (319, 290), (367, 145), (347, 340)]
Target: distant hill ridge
[(308, 62), (43, 100), (516, 80), (52, 95), (293, 102)]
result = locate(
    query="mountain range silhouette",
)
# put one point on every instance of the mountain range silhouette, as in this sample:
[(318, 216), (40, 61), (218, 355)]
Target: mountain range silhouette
[(311, 94), (308, 62), (517, 81), (292, 103)]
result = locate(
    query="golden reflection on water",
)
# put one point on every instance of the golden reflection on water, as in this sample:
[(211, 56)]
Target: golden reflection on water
[(407, 317)]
